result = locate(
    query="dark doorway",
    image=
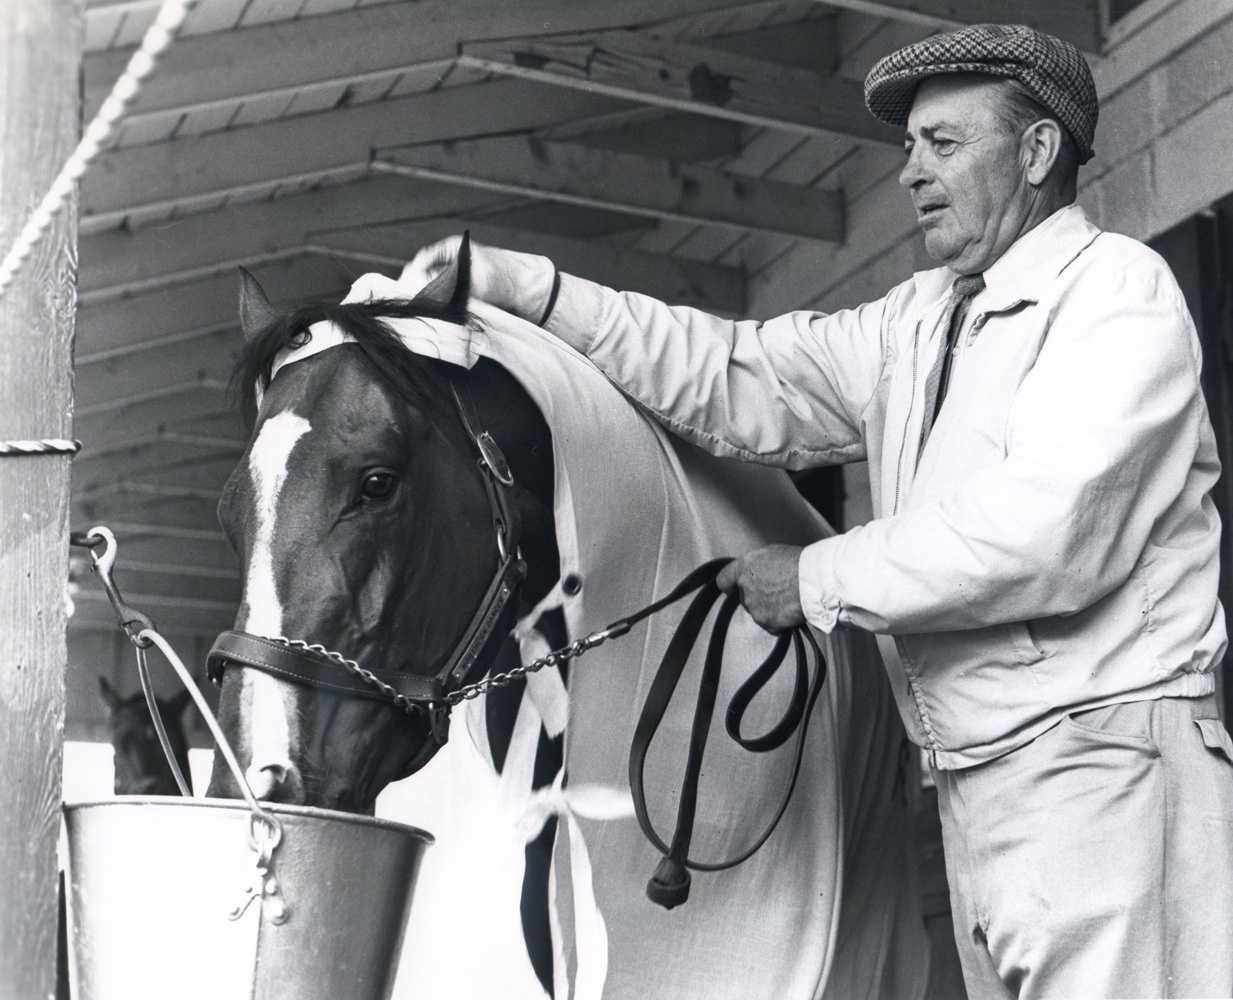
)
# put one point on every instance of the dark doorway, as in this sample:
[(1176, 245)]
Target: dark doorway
[(1200, 252)]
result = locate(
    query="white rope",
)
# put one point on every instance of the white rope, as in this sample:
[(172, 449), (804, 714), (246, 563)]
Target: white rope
[(45, 446), (158, 36)]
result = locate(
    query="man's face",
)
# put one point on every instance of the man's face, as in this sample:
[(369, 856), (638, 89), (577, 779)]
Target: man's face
[(964, 172)]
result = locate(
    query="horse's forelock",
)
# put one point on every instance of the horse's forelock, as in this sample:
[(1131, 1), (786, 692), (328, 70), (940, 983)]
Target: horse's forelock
[(414, 378)]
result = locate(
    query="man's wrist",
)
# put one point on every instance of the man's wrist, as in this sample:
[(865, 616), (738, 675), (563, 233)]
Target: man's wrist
[(818, 587), (552, 297), (533, 284)]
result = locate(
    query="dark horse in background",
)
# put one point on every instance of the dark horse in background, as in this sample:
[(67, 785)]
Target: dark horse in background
[(360, 519), (141, 765)]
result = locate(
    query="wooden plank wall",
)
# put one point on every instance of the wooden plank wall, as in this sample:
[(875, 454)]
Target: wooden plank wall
[(40, 56)]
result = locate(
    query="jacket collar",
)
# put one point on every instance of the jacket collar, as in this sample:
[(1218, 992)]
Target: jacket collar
[(1033, 260)]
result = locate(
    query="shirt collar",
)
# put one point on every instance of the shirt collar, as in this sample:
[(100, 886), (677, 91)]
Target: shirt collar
[(1033, 260)]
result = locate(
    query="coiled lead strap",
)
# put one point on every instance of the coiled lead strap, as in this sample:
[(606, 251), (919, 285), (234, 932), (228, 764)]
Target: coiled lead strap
[(669, 886)]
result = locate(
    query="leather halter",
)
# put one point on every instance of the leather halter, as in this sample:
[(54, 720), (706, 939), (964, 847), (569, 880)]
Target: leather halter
[(471, 655)]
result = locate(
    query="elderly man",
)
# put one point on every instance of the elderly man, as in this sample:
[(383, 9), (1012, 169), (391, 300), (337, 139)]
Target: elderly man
[(1041, 569)]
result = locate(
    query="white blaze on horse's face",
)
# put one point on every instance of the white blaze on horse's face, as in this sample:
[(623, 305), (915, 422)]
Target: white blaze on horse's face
[(265, 699)]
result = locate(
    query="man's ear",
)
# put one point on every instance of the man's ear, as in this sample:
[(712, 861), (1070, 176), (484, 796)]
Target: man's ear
[(450, 290), (256, 313), (1040, 145)]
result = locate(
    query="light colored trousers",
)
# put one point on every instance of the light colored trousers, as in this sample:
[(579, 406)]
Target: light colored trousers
[(1097, 861)]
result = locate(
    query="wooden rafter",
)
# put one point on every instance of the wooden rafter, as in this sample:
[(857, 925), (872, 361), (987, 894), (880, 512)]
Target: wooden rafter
[(633, 66), (351, 43), (671, 279), (621, 182), (199, 307), (341, 221), (316, 146)]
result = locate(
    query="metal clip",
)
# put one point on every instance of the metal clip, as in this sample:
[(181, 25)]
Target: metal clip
[(613, 631), (265, 833), (264, 887), (130, 619)]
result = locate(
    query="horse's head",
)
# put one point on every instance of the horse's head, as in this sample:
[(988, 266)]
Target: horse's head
[(141, 766), (363, 524)]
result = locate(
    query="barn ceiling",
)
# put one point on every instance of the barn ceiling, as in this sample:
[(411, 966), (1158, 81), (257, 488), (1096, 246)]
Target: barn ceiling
[(676, 147)]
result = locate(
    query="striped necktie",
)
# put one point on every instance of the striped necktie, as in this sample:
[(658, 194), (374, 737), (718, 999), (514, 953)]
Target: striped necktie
[(966, 287)]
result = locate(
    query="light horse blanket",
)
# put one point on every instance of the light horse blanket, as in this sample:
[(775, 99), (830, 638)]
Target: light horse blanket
[(827, 908)]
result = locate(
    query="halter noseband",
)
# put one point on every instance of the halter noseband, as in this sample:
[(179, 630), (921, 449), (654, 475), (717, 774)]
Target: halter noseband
[(471, 656)]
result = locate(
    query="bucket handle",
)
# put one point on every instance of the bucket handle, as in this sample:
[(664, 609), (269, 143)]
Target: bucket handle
[(265, 831)]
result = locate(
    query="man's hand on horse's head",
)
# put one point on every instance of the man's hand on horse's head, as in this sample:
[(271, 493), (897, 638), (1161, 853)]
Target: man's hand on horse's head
[(767, 582), (519, 283)]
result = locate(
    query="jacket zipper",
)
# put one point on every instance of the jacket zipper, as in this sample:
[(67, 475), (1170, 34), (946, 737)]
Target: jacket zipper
[(911, 403)]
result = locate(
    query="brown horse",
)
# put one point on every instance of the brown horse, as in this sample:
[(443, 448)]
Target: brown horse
[(363, 523)]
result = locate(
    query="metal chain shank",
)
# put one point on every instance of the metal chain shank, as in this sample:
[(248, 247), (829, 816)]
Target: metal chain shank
[(468, 691)]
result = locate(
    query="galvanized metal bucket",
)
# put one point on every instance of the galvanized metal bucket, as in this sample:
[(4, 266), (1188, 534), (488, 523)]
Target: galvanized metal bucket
[(228, 900), (154, 884)]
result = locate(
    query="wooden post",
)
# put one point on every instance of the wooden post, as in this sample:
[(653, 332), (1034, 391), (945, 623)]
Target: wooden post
[(40, 62)]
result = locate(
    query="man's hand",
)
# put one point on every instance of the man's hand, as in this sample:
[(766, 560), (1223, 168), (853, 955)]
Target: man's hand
[(519, 283), (767, 582)]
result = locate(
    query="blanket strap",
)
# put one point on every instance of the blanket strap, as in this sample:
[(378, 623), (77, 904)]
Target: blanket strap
[(669, 886)]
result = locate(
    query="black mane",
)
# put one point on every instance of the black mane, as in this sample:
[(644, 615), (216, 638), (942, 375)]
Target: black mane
[(413, 377)]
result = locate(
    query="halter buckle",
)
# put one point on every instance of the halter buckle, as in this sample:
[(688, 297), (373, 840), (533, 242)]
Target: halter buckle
[(494, 458)]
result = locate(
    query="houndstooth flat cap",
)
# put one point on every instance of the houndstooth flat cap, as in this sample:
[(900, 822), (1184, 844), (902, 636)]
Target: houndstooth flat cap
[(1053, 70)]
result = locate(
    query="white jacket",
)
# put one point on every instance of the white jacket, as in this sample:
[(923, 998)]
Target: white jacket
[(1053, 548)]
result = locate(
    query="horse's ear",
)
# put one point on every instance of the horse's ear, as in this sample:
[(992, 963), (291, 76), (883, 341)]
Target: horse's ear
[(451, 289), (256, 313), (110, 698)]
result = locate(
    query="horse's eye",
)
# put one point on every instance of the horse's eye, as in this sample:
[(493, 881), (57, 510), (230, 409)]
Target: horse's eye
[(378, 485)]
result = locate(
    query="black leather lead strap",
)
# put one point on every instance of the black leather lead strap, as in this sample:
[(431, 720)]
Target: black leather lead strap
[(669, 886)]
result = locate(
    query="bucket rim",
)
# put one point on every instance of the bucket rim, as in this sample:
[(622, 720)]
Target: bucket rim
[(280, 808)]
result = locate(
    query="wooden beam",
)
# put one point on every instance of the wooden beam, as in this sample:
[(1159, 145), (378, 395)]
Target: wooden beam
[(172, 614), (672, 279), (122, 259), (250, 60), (341, 221), (1077, 21), (632, 66), (308, 146), (162, 465), (185, 512), (202, 306), (227, 446), (173, 580), (132, 530), (621, 182), (179, 412), (40, 53), (115, 402)]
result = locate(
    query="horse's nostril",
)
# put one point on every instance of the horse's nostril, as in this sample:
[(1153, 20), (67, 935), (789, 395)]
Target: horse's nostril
[(269, 781)]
